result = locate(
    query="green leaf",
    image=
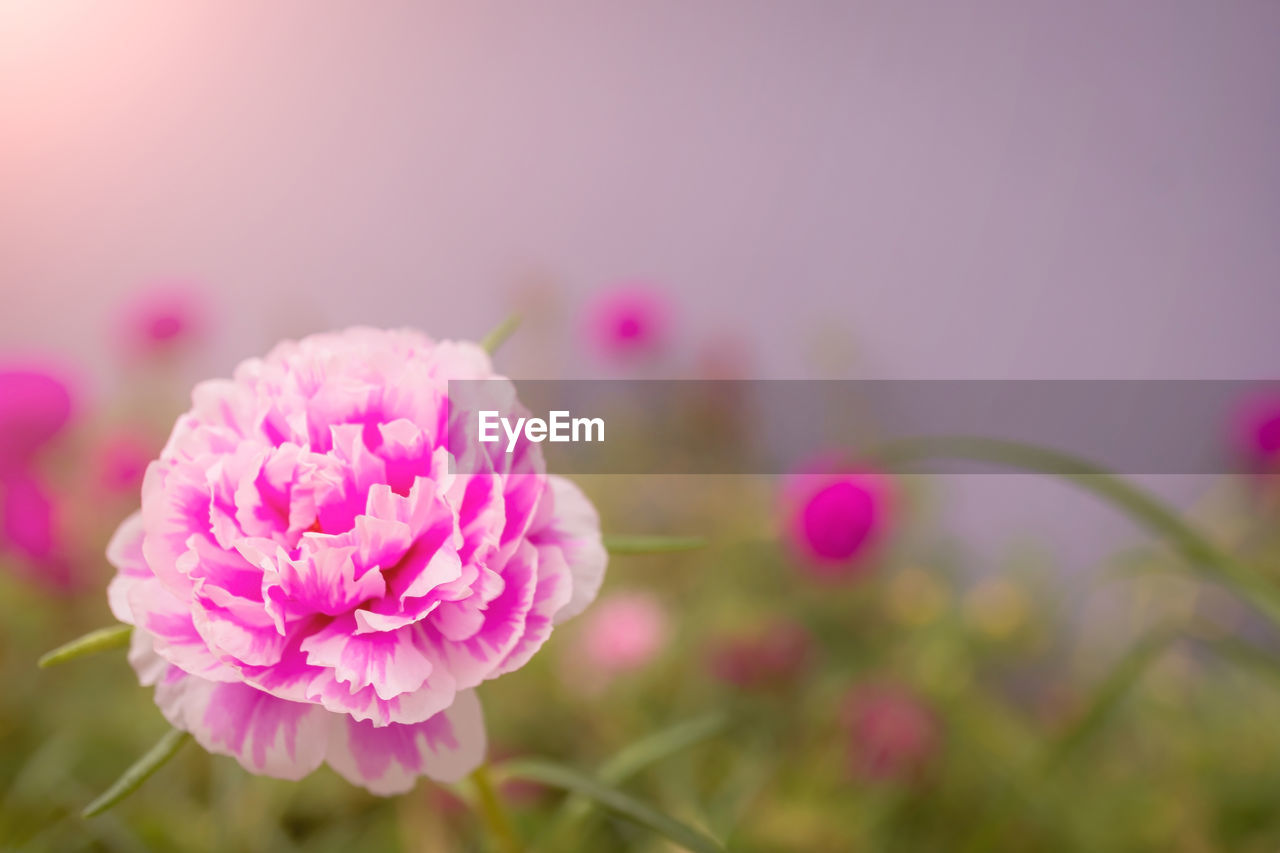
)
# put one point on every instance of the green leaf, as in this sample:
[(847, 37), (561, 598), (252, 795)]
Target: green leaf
[(623, 805), (652, 544), (489, 805), (141, 770), (1123, 675), (1143, 507), (635, 757), (631, 759), (496, 338), (101, 640)]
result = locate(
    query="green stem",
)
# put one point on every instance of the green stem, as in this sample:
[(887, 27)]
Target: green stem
[(492, 812), (641, 544), (498, 336), (140, 772), (101, 640), (1141, 506), (1123, 675)]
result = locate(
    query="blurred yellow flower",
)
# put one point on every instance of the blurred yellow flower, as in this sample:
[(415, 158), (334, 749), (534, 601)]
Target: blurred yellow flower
[(996, 608), (915, 597)]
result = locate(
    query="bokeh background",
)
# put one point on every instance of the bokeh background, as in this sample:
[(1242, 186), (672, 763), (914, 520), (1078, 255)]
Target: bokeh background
[(814, 189)]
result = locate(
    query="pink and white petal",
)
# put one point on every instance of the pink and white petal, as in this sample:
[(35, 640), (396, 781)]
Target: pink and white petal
[(268, 736), (175, 637), (173, 498), (149, 666), (389, 760), (575, 527), (391, 663), (247, 636), (458, 621), (555, 586), (366, 705), (406, 452), (481, 511), (474, 659), (380, 542), (324, 579), (124, 551)]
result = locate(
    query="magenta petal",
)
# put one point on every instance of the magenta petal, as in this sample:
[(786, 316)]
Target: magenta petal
[(124, 552), (389, 760), (35, 406), (266, 735), (391, 662), (476, 658), (568, 521), (554, 589), (158, 612), (29, 521)]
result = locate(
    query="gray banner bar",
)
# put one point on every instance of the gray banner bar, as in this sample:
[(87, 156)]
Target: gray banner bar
[(770, 427)]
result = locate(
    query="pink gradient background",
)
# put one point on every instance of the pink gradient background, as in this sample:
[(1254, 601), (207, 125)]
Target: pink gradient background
[(988, 189)]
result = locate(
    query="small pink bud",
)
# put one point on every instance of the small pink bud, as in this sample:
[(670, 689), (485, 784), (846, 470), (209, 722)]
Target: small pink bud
[(162, 318), (834, 516), (629, 322)]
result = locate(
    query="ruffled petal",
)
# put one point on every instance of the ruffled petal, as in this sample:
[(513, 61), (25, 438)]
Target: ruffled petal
[(573, 526), (391, 662), (124, 552), (389, 760), (268, 736)]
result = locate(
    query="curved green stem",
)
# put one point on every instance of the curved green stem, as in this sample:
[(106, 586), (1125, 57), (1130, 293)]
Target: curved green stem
[(616, 801), (140, 772), (641, 544), (1143, 507), (635, 758), (499, 335), (101, 640), (495, 817)]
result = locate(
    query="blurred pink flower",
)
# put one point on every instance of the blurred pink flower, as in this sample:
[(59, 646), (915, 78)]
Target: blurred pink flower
[(623, 633), (310, 582), (162, 318), (834, 515), (772, 657), (892, 734), (629, 321), (1257, 433), (35, 405), (30, 524), (120, 460)]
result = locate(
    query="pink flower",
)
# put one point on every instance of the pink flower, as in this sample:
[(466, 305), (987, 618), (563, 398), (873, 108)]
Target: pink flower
[(892, 734), (35, 406), (162, 318), (120, 461), (30, 528), (766, 658), (629, 321), (1257, 433), (834, 516), (310, 582), (623, 633)]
